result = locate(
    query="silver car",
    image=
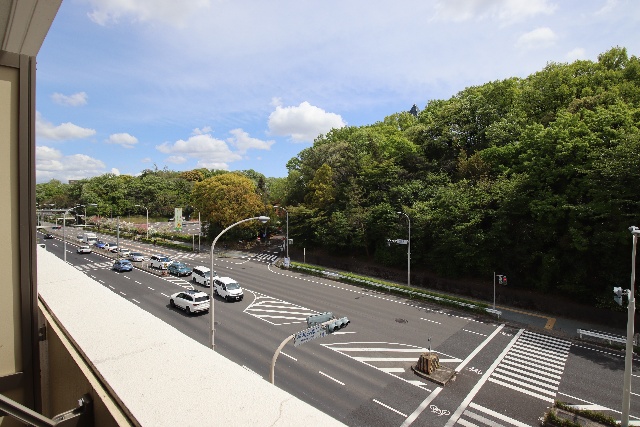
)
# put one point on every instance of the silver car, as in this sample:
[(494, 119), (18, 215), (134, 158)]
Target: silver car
[(136, 257), (84, 249)]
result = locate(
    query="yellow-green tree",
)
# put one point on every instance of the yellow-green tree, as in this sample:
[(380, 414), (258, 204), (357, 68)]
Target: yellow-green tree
[(226, 199)]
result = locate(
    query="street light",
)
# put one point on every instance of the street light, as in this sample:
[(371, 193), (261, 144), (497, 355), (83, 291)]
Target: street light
[(408, 250), (287, 232), (631, 309), (147, 219), (262, 219), (64, 231)]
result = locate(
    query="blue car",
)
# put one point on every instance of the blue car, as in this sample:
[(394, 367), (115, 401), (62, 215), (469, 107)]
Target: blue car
[(122, 265), (99, 244)]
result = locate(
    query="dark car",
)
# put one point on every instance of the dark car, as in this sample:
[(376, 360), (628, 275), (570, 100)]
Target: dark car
[(48, 236), (178, 269), (122, 265)]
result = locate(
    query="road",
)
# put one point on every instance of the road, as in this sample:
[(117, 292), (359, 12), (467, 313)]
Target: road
[(361, 375)]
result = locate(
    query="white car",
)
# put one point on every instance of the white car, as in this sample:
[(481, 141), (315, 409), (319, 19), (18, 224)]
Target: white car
[(227, 288), (190, 301), (123, 252), (136, 257), (84, 249), (202, 275), (160, 261)]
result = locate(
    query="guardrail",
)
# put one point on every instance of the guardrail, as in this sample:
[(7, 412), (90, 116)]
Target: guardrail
[(610, 338)]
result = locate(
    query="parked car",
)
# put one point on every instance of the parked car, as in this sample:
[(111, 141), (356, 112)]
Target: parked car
[(79, 237), (202, 275), (99, 244), (122, 265), (190, 301), (110, 246), (136, 257), (48, 236), (84, 249), (178, 269), (160, 261), (227, 288)]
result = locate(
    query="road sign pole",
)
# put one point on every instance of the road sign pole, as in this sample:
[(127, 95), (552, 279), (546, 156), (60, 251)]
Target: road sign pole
[(275, 356)]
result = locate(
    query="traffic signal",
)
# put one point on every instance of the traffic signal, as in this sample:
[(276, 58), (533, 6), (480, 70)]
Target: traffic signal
[(336, 324), (617, 295)]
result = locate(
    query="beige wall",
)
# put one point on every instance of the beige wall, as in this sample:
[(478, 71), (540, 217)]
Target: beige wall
[(10, 322)]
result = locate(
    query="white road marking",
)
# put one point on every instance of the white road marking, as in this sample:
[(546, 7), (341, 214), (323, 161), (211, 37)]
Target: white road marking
[(290, 357), (149, 287), (389, 407), (123, 293), (134, 300), (331, 378), (421, 408), (480, 347), (497, 415), (432, 321), (463, 406)]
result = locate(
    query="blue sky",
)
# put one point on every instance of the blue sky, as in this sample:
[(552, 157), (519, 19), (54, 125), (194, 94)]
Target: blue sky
[(128, 85)]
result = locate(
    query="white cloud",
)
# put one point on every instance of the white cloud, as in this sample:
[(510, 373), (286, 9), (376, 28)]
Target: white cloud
[(146, 160), (575, 54), (505, 11), (106, 12), (198, 131), (538, 38), (52, 164), (243, 142), (115, 171), (73, 100), (62, 132), (206, 149), (124, 139), (608, 7), (303, 123)]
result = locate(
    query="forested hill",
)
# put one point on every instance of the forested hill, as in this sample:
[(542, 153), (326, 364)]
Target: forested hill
[(536, 178)]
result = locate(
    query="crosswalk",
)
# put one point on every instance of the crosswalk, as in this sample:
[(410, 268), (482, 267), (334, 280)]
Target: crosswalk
[(263, 257), (94, 266), (533, 366), (278, 312), (394, 359)]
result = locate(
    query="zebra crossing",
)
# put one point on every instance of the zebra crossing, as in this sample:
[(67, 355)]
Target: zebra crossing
[(394, 359), (179, 281), (263, 257), (533, 366), (94, 266), (278, 312)]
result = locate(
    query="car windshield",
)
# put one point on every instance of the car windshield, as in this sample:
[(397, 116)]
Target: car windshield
[(164, 259), (124, 262), (135, 254), (202, 298), (178, 265), (233, 286)]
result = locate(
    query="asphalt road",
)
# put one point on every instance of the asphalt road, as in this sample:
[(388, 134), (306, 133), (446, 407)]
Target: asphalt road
[(361, 375)]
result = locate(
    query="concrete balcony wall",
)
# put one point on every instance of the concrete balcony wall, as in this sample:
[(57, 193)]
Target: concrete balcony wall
[(131, 363)]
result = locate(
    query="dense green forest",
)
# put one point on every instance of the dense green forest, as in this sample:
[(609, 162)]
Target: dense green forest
[(537, 178)]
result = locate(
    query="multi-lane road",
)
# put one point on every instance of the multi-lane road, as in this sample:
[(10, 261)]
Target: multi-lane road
[(362, 375)]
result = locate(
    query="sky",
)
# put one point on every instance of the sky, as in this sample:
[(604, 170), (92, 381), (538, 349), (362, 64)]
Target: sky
[(128, 85)]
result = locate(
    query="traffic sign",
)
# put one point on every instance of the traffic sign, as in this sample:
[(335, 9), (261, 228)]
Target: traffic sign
[(309, 334)]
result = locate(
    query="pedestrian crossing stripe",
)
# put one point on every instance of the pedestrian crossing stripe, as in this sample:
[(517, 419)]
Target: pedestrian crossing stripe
[(93, 266), (278, 312), (533, 366)]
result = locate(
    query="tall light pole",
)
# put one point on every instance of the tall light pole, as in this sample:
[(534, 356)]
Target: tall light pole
[(287, 232), (147, 219), (631, 309), (262, 219), (408, 250), (64, 232)]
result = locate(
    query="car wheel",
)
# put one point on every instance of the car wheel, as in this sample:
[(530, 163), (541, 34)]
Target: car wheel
[(171, 303), (226, 298), (194, 279), (188, 310), (215, 291)]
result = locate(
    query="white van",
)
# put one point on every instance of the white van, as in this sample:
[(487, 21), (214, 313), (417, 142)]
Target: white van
[(227, 288), (202, 275), (89, 238)]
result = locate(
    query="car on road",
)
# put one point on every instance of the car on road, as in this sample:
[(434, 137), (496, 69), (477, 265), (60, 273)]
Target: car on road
[(136, 257), (48, 236), (56, 227), (79, 237), (84, 249), (190, 301), (110, 246), (160, 261), (227, 288), (178, 269), (99, 244), (202, 275), (122, 252), (122, 265)]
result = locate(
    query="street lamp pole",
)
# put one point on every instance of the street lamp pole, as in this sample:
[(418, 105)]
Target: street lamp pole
[(408, 250), (287, 232), (262, 219), (147, 219), (631, 309)]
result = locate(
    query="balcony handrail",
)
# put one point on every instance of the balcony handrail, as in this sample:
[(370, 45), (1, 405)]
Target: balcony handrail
[(29, 416)]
